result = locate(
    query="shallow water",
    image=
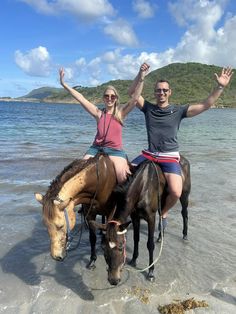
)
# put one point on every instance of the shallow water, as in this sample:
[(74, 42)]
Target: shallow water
[(37, 141)]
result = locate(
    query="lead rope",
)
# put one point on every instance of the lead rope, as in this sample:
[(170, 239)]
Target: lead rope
[(80, 232), (162, 235)]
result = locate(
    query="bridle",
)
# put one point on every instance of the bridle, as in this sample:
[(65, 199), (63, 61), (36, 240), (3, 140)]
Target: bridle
[(112, 244), (69, 234)]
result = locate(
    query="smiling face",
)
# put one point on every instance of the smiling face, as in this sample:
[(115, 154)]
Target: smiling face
[(110, 98), (162, 93)]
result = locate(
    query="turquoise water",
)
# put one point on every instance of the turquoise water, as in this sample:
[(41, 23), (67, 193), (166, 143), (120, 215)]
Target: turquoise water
[(38, 140)]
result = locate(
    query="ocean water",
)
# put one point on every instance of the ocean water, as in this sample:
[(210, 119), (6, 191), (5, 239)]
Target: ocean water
[(37, 141)]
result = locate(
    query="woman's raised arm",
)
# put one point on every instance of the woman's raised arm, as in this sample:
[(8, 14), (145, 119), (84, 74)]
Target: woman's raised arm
[(88, 106)]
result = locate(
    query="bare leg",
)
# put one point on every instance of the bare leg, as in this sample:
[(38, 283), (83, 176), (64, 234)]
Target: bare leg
[(175, 185), (87, 156), (121, 168)]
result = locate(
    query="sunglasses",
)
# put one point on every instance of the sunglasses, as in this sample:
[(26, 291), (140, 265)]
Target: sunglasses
[(112, 97), (159, 90)]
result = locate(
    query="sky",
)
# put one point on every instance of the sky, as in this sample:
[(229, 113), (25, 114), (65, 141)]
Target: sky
[(101, 40)]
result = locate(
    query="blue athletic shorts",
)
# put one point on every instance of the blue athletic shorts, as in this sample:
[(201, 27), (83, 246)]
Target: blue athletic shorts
[(93, 150), (168, 167)]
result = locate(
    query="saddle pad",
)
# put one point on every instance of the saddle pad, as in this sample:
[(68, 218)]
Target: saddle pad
[(158, 159)]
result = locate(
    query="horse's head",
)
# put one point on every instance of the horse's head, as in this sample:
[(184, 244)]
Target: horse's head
[(114, 248), (59, 218)]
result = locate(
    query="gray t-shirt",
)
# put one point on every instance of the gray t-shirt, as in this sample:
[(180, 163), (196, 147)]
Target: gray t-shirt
[(162, 125)]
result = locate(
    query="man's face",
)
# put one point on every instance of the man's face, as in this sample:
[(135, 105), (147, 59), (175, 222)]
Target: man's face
[(162, 92)]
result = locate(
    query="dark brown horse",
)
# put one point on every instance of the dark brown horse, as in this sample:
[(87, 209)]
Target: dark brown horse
[(141, 198), (82, 182)]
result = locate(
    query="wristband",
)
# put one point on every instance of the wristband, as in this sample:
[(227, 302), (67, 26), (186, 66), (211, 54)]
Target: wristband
[(220, 86)]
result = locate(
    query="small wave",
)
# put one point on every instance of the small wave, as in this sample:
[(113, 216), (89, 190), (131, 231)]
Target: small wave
[(12, 183), (29, 144)]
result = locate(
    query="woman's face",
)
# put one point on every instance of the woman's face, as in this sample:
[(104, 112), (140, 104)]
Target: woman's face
[(109, 98)]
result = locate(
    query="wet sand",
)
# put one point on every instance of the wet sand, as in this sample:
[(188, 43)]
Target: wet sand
[(203, 267)]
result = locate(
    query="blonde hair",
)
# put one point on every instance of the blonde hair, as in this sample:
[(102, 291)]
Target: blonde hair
[(117, 108)]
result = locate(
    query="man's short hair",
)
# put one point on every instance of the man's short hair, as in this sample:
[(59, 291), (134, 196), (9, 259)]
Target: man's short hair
[(163, 81)]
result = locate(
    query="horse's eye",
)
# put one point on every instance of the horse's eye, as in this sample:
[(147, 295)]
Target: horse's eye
[(59, 227)]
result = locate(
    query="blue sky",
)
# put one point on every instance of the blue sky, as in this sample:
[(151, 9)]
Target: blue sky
[(99, 40)]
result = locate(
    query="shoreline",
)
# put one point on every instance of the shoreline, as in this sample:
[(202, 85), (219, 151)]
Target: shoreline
[(74, 102)]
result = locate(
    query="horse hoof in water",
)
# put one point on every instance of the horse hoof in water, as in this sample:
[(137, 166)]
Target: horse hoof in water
[(185, 237), (91, 265), (151, 277), (132, 263)]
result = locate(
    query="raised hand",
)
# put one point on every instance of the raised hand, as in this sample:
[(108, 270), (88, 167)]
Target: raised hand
[(225, 76), (144, 70), (61, 74)]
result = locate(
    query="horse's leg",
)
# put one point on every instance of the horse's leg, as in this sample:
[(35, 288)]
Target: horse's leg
[(136, 236), (93, 256), (184, 199), (161, 232), (151, 247), (101, 232)]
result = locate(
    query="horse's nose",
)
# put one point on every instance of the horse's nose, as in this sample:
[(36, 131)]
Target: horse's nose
[(114, 281), (58, 258)]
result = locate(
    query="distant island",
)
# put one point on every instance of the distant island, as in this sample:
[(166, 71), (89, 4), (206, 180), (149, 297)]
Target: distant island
[(190, 82)]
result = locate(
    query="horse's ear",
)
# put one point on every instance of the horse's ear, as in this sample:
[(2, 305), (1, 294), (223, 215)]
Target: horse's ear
[(39, 197), (97, 225), (62, 205), (124, 226)]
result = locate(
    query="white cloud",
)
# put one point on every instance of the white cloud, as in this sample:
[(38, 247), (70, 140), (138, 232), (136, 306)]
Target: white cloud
[(42, 6), (35, 62), (121, 32), (89, 10), (143, 8), (200, 17), (69, 73), (116, 65), (202, 41), (80, 63)]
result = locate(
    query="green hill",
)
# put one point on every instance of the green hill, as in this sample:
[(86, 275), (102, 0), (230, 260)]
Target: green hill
[(42, 93), (190, 82)]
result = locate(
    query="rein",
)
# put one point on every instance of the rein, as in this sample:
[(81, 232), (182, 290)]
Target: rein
[(69, 233), (95, 194)]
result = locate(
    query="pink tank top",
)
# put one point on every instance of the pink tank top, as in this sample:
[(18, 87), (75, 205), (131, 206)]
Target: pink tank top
[(109, 132)]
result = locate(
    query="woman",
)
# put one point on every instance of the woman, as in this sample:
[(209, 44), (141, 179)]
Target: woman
[(109, 124)]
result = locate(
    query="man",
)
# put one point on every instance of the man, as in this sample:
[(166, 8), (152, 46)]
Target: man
[(162, 124)]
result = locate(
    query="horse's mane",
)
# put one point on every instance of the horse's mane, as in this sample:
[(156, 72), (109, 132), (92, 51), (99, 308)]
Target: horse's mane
[(68, 172)]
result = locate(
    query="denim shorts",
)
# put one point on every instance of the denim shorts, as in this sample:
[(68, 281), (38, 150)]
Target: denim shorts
[(93, 150), (168, 167)]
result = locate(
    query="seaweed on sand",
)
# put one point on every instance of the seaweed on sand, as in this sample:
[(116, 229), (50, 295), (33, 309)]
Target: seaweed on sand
[(178, 307)]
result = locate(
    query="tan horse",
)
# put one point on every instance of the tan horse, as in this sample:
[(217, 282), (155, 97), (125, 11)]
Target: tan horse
[(81, 182)]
